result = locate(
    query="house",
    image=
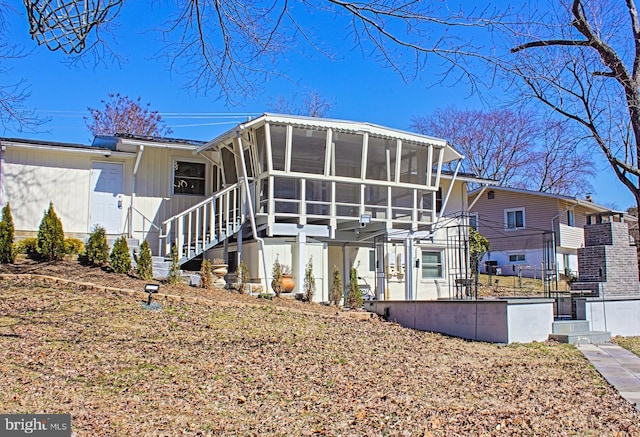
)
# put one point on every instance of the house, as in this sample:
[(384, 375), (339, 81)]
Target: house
[(287, 188), (533, 234)]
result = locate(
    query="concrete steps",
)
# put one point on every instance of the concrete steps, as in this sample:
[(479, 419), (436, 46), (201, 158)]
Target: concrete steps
[(577, 332), (161, 269)]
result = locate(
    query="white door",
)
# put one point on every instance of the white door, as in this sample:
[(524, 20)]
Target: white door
[(106, 196)]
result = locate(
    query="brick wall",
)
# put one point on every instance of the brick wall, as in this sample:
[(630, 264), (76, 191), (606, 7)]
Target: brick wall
[(608, 260)]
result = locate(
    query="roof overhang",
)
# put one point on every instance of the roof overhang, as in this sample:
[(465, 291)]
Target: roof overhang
[(338, 125), (66, 148)]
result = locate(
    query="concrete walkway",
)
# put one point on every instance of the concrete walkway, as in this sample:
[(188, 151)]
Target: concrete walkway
[(618, 366)]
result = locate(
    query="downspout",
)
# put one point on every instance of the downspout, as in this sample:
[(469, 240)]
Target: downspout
[(136, 166), (553, 243), (252, 218)]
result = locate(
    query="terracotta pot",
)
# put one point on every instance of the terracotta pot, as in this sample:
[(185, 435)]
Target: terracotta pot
[(287, 283)]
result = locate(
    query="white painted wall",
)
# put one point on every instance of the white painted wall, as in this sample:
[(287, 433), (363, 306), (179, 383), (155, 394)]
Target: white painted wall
[(497, 321), (617, 316)]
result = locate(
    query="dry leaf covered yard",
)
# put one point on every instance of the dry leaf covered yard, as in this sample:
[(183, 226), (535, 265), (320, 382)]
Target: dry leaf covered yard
[(192, 369)]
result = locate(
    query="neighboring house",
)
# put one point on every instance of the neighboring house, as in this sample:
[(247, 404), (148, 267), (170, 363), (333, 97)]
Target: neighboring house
[(533, 233), (280, 187)]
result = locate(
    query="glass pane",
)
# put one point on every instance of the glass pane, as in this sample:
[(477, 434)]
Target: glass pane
[(261, 144), (183, 185), (375, 195), (229, 166), (285, 188), (348, 193), (519, 219), (431, 271), (430, 257), (381, 159), (402, 197), (413, 164), (308, 150), (248, 162), (278, 145), (347, 155), (319, 191), (190, 169)]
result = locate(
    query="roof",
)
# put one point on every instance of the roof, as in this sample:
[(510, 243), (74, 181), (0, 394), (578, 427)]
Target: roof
[(339, 125), (22, 141), (575, 199)]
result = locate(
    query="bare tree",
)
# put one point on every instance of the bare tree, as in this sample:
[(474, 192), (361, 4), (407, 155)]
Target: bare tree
[(582, 61), (515, 148), (14, 113), (312, 105), (124, 115)]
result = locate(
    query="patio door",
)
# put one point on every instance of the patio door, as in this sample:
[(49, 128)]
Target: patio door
[(106, 196)]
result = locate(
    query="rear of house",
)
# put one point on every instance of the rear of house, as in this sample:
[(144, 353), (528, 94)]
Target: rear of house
[(293, 189)]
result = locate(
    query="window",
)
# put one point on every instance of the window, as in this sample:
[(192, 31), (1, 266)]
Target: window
[(372, 260), (473, 221), (431, 264), (570, 218), (519, 257), (514, 218), (189, 178)]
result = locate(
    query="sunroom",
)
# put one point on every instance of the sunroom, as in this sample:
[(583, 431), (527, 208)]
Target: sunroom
[(289, 181)]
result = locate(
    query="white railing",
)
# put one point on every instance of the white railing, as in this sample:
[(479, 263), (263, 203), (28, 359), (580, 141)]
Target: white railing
[(205, 224)]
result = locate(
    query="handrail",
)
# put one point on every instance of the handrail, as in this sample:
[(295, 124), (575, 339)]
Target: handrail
[(204, 224), (204, 202), (133, 208)]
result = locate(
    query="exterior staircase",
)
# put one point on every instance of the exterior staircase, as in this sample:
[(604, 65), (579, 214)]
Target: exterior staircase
[(577, 332), (205, 224)]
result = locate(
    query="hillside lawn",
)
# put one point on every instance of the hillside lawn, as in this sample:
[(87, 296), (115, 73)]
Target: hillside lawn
[(231, 367)]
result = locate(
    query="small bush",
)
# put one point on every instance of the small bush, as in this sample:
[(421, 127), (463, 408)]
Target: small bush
[(120, 259), (309, 281), (73, 246), (28, 246), (276, 281), (144, 269), (354, 296), (7, 231), (97, 249), (206, 277), (336, 287), (50, 236), (242, 273), (174, 269)]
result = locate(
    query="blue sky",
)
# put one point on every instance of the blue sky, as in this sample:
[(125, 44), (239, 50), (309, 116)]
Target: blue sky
[(359, 88)]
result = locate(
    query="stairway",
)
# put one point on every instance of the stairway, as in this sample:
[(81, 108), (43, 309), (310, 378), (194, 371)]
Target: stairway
[(161, 268), (206, 224), (577, 332)]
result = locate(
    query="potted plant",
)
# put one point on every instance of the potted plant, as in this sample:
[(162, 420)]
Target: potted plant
[(219, 268), (287, 279)]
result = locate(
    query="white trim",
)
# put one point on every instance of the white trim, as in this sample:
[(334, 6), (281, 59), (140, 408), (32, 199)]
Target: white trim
[(506, 222)]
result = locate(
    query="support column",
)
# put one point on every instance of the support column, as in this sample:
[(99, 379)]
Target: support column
[(409, 291), (301, 241)]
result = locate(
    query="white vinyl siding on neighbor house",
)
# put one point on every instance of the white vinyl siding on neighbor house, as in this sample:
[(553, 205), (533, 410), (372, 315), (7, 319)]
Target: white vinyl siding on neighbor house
[(514, 218)]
